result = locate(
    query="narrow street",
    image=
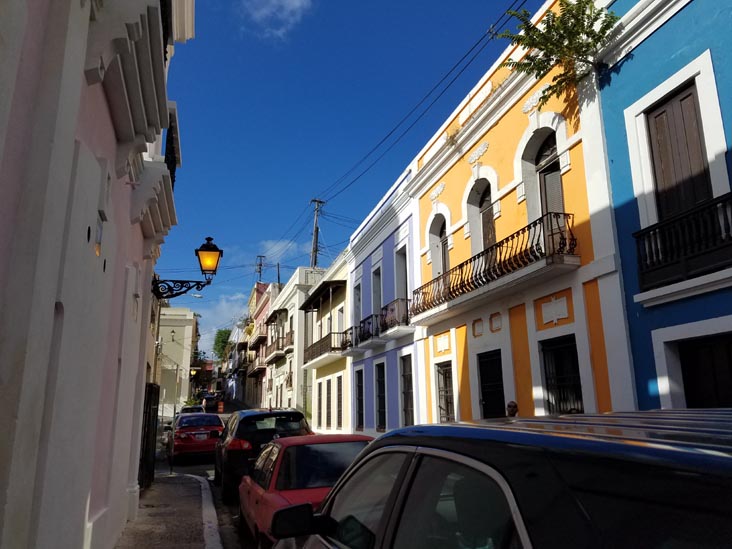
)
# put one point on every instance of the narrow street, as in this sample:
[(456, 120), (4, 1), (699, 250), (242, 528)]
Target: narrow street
[(203, 467)]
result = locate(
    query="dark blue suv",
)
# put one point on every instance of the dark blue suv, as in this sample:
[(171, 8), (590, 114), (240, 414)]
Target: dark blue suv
[(660, 479)]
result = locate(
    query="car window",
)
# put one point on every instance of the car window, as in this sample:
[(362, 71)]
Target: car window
[(357, 510), (209, 420), (284, 425), (268, 466), (316, 465), (259, 464), (450, 505)]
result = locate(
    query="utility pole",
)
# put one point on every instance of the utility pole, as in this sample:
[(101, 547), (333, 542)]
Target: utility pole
[(258, 268), (314, 251)]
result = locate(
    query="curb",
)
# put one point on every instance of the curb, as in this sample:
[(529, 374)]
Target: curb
[(211, 536)]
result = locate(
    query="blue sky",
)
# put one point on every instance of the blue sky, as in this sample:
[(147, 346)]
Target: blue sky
[(278, 100)]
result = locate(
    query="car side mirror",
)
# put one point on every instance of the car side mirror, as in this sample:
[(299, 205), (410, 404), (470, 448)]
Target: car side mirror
[(167, 428), (293, 521)]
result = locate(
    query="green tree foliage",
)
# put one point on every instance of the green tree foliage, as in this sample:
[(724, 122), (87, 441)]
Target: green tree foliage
[(220, 342), (569, 40)]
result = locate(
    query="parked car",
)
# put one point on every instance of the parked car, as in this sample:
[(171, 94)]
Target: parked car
[(289, 471), (659, 479), (194, 433), (192, 409), (245, 433)]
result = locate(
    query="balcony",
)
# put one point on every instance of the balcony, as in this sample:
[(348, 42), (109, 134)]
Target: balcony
[(325, 351), (259, 366), (349, 343), (542, 249), (688, 245), (289, 342), (258, 335), (370, 332), (395, 319), (275, 350)]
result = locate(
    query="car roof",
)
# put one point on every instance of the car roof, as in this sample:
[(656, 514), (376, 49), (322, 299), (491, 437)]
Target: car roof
[(307, 440), (267, 412), (686, 438), (195, 414)]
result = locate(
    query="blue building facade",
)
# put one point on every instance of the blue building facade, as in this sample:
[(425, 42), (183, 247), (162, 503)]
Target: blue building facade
[(667, 113), (380, 341)]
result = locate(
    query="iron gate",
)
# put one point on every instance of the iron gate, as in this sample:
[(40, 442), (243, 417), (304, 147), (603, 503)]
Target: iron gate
[(146, 472)]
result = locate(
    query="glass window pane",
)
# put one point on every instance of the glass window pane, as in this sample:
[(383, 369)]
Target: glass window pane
[(316, 465), (358, 508), (452, 505)]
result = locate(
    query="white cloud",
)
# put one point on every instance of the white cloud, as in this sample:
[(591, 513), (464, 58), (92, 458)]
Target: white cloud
[(279, 250), (220, 314), (274, 18)]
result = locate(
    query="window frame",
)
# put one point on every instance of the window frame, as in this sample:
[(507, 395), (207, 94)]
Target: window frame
[(360, 399), (395, 499), (701, 71), (495, 475), (402, 419), (377, 411)]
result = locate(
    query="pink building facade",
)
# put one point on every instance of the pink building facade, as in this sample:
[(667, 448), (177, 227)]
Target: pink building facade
[(86, 200)]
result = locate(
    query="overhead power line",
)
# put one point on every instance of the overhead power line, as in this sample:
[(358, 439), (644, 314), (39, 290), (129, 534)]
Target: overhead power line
[(480, 45)]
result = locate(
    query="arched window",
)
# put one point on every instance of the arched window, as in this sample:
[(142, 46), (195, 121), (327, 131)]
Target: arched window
[(439, 242), (550, 176), (444, 254), (488, 227)]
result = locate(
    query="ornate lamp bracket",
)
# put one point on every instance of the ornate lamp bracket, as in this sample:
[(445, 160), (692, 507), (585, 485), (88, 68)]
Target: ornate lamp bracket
[(166, 289)]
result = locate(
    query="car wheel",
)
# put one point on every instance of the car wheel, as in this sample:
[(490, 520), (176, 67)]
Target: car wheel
[(228, 489)]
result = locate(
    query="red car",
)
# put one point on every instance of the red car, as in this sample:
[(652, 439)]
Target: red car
[(195, 434), (293, 470)]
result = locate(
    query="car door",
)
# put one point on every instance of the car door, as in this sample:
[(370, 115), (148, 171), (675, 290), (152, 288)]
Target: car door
[(261, 511), (248, 482), (455, 502), (360, 505), (226, 435)]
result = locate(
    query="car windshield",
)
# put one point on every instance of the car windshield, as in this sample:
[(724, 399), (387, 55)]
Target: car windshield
[(189, 409), (277, 424), (203, 420), (316, 465)]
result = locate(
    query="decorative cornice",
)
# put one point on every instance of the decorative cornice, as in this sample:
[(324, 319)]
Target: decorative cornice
[(435, 194), (480, 151), (533, 101)]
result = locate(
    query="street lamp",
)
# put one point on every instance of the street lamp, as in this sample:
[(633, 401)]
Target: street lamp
[(209, 255)]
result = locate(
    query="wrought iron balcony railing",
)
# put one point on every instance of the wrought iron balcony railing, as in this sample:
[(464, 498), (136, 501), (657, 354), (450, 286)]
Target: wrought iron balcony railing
[(548, 236), (691, 244), (331, 343), (394, 314), (350, 338), (289, 341), (370, 328)]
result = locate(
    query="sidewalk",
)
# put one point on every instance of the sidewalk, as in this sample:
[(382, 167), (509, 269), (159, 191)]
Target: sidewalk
[(177, 511)]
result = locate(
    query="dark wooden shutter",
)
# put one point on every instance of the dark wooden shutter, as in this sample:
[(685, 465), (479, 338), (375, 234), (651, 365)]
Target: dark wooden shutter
[(679, 159), (486, 217), (552, 198)]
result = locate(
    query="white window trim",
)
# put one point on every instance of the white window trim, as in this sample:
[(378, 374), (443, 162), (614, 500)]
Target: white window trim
[(335, 401), (400, 400), (702, 72), (666, 355)]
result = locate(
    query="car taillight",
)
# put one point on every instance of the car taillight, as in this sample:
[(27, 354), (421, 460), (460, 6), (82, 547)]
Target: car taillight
[(239, 444), (181, 435)]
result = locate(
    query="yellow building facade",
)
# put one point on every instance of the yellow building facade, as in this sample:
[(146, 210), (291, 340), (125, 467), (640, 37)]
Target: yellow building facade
[(520, 297)]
